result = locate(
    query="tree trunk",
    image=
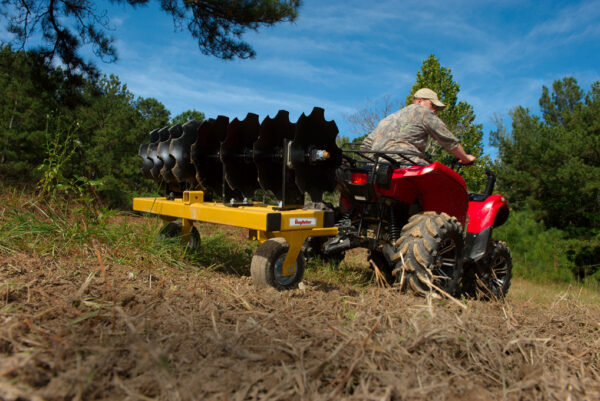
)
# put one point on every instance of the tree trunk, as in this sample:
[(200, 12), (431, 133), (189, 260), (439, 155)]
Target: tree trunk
[(10, 125)]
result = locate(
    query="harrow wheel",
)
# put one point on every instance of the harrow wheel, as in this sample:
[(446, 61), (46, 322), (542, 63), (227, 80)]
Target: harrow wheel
[(174, 230), (267, 266), (429, 254)]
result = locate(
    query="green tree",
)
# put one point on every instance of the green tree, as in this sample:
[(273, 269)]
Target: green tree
[(111, 128), (551, 165), (153, 114), (81, 138), (32, 93), (458, 116), (217, 25), (188, 115)]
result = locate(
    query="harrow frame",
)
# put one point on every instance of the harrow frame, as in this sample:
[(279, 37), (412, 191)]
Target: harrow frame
[(263, 222)]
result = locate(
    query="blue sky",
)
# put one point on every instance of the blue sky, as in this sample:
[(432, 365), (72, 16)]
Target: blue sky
[(341, 54)]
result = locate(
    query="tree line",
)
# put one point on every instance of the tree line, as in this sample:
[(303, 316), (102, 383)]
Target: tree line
[(66, 132), (60, 131), (547, 166)]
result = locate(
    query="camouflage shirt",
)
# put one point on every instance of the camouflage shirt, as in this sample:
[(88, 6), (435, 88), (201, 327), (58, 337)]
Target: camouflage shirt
[(409, 129)]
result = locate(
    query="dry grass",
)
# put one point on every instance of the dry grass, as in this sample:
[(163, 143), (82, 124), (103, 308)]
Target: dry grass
[(547, 293), (104, 334), (106, 320)]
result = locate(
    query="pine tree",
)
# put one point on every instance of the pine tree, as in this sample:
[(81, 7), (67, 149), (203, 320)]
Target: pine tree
[(64, 25), (188, 115), (551, 165), (458, 116)]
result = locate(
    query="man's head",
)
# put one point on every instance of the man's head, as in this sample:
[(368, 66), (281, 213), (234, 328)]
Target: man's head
[(428, 98)]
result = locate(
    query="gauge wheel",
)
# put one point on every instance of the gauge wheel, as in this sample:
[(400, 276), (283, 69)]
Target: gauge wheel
[(267, 266), (174, 230)]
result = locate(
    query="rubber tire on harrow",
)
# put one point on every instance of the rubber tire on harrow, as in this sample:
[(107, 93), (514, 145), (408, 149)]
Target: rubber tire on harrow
[(267, 264), (500, 264), (426, 240), (174, 230)]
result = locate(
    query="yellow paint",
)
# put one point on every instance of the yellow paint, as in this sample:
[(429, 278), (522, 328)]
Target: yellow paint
[(296, 224)]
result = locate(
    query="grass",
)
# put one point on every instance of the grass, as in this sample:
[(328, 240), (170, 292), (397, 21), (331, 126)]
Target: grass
[(31, 225), (97, 308), (547, 292), (58, 229)]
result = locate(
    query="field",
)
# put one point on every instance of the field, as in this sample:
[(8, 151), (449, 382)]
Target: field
[(92, 308)]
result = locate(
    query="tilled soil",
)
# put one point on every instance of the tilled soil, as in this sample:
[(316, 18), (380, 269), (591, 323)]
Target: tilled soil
[(72, 330)]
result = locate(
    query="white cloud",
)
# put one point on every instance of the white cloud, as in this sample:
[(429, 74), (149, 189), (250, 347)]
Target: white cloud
[(339, 54), (570, 19), (116, 21)]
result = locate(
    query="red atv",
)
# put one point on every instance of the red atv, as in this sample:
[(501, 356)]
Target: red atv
[(411, 218)]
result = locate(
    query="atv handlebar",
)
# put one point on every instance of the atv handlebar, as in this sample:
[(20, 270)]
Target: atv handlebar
[(456, 162), (491, 176)]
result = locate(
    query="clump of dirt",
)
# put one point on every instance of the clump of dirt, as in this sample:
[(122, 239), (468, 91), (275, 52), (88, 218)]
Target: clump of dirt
[(92, 330)]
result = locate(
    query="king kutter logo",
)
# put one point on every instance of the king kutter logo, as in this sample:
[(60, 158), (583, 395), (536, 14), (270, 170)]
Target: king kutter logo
[(303, 221)]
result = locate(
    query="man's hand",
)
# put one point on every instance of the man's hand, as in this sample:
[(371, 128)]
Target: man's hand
[(468, 159), (463, 156)]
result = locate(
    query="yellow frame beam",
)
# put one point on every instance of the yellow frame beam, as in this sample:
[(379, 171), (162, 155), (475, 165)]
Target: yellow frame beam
[(263, 221)]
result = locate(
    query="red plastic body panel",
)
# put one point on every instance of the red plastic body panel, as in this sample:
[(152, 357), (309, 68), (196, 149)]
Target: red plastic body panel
[(436, 187), (483, 214)]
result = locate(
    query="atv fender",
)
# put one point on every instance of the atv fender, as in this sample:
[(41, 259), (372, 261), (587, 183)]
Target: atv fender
[(493, 211), (484, 215), (435, 187)]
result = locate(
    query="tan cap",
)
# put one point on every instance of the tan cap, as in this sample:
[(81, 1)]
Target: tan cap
[(426, 93)]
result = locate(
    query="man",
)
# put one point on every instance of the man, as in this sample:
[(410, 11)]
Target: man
[(409, 129)]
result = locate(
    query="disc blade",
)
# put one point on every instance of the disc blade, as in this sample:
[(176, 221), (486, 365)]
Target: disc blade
[(180, 150), (268, 157), (169, 161), (143, 153), (157, 163), (313, 132), (205, 153), (236, 155)]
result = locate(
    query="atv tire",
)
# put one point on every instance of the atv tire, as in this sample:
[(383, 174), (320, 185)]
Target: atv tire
[(490, 278), (429, 254), (267, 266), (500, 270)]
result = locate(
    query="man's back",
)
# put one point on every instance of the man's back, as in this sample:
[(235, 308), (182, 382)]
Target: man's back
[(409, 129)]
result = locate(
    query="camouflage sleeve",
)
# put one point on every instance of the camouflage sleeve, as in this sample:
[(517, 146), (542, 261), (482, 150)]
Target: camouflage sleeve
[(367, 143), (437, 130)]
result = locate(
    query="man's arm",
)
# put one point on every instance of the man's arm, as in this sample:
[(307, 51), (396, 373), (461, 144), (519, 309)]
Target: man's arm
[(367, 143), (463, 156), (438, 131)]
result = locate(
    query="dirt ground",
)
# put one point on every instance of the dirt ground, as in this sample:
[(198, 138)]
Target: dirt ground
[(94, 330)]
